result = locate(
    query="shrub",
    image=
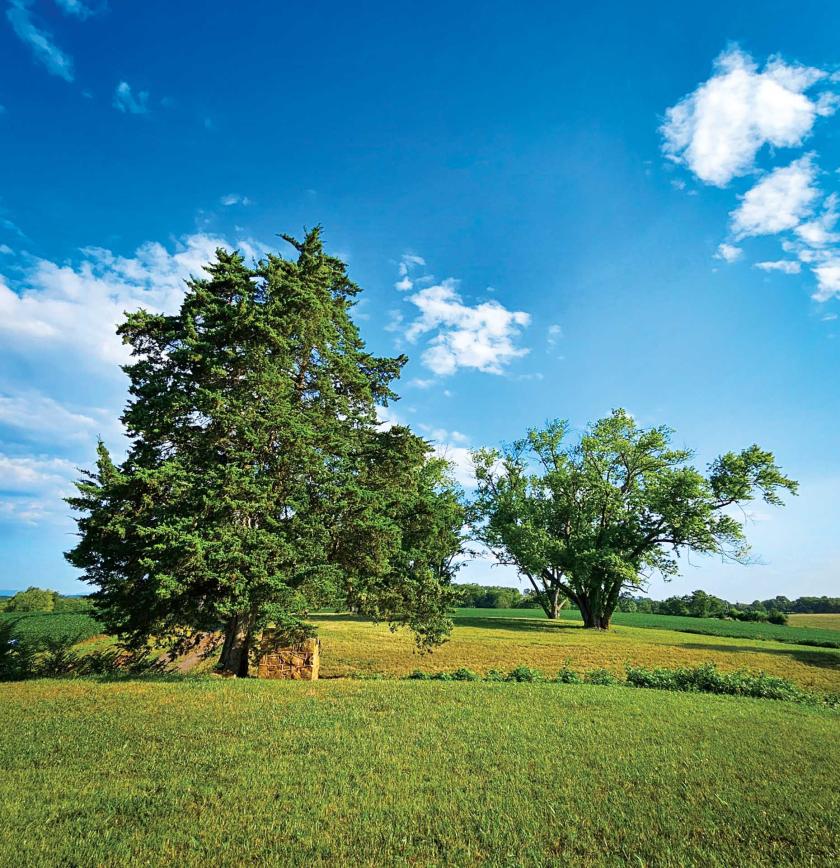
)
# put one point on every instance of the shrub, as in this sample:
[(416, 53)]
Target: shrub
[(464, 674), (525, 674), (777, 617), (567, 675), (708, 679)]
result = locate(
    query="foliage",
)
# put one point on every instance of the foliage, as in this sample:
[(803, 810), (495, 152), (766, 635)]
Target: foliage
[(32, 600), (594, 518), (470, 595), (708, 679), (259, 484)]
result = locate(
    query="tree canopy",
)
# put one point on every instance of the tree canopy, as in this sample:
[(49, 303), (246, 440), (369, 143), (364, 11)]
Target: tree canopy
[(258, 482), (590, 518)]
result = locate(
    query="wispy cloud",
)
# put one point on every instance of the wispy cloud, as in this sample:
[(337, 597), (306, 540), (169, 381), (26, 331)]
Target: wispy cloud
[(78, 9), (234, 199), (408, 262), (786, 266), (126, 101), (40, 41)]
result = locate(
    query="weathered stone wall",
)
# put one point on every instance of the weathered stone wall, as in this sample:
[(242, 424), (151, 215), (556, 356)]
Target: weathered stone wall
[(299, 662)]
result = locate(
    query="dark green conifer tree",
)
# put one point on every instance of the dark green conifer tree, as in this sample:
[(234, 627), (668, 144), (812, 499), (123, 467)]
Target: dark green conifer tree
[(259, 484)]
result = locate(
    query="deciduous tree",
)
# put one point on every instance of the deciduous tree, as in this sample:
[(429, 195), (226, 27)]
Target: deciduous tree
[(591, 518)]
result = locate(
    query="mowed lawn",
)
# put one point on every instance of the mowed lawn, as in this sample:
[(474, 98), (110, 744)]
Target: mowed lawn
[(208, 771), (352, 646)]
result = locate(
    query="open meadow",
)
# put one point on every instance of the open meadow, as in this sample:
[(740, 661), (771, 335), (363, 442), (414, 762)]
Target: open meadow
[(201, 770)]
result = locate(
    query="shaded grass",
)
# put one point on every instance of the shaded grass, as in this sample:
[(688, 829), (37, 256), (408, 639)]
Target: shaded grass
[(826, 636), (352, 646), (212, 771)]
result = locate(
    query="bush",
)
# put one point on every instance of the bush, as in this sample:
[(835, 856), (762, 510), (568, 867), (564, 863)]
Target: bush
[(525, 674), (464, 674), (32, 600), (777, 617), (708, 679), (568, 676)]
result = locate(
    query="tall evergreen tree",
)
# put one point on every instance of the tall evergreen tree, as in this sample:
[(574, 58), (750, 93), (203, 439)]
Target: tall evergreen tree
[(258, 483)]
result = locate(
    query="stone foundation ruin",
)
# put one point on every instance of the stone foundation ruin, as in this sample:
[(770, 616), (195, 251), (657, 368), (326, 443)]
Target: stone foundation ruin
[(299, 662)]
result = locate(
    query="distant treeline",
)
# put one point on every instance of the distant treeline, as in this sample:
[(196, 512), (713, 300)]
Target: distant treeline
[(698, 604), (43, 600)]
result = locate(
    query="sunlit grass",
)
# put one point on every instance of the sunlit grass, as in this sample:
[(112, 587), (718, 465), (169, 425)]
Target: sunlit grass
[(203, 771), (351, 646), (822, 622)]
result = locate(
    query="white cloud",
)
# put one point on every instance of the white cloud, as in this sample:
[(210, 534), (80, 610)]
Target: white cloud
[(6, 250), (828, 279), (480, 337), (728, 252), (818, 232), (76, 308), (32, 488), (40, 41), (778, 202), (126, 101), (786, 266), (39, 417), (234, 199), (555, 334), (718, 129), (408, 262), (829, 317)]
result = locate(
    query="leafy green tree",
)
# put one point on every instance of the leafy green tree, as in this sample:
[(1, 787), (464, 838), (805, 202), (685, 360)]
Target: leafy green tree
[(259, 484), (588, 519), (32, 600)]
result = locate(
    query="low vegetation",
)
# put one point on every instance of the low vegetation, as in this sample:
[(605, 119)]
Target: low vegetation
[(232, 772)]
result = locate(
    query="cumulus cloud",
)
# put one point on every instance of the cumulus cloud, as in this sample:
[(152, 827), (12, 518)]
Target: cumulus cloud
[(126, 101), (39, 41), (719, 128), (481, 336), (786, 266), (828, 279), (728, 252), (554, 335), (778, 202)]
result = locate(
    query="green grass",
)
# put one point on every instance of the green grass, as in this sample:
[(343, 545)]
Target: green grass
[(208, 771), (827, 637), (38, 626)]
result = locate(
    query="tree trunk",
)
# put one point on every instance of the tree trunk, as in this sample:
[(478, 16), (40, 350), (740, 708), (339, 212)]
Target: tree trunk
[(235, 651), (593, 614), (553, 610)]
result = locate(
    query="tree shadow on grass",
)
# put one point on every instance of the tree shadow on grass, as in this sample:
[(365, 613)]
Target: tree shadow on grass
[(825, 659), (523, 625)]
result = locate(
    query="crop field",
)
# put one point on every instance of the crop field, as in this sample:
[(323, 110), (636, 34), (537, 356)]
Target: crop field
[(808, 632), (205, 770), (51, 625), (352, 646)]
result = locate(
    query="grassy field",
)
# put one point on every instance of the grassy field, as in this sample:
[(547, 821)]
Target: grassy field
[(818, 633), (205, 771), (822, 622), (352, 646)]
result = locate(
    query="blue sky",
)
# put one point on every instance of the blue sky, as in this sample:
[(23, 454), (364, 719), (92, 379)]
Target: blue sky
[(553, 211)]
